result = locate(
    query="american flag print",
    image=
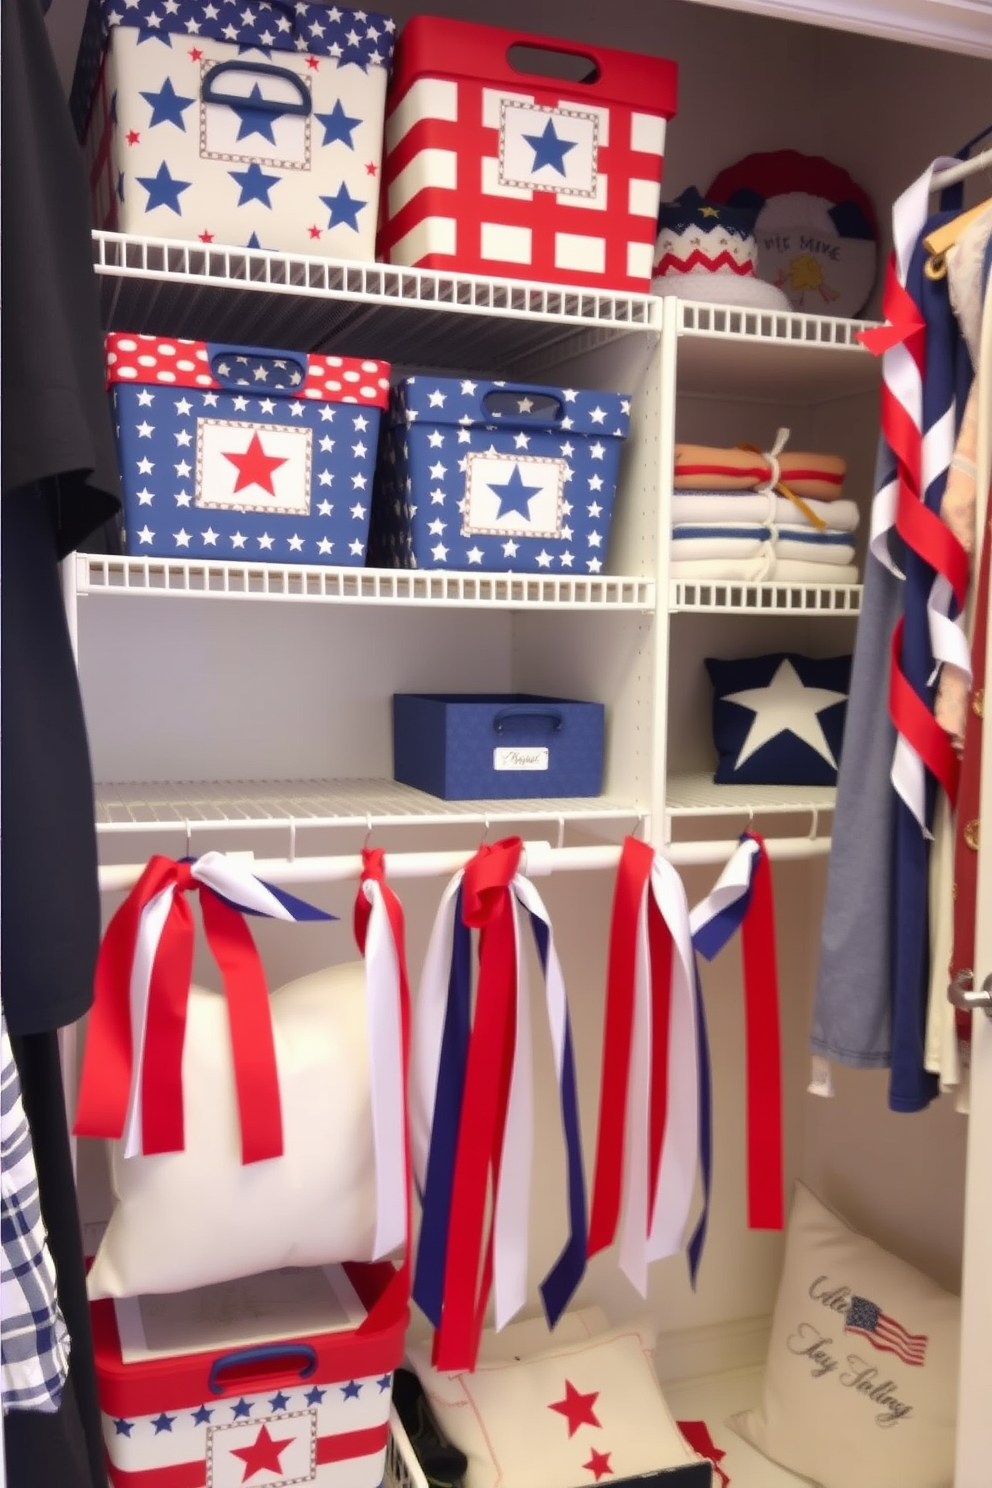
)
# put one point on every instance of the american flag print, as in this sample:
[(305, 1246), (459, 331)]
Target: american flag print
[(884, 1333)]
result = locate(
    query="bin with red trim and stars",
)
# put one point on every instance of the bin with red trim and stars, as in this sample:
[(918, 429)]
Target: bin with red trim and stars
[(245, 453), (242, 1402), (249, 124)]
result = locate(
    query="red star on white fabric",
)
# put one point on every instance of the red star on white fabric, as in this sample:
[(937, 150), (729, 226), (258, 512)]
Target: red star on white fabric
[(254, 466), (599, 1464), (577, 1408), (263, 1454)]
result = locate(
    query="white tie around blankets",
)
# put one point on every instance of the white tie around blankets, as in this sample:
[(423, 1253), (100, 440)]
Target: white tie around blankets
[(754, 551)]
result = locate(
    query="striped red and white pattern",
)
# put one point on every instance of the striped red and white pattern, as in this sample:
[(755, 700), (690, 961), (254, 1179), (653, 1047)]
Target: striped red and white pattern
[(885, 1333), (465, 189)]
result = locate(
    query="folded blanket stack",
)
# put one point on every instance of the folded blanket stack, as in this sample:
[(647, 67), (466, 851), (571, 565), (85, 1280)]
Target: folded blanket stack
[(781, 516)]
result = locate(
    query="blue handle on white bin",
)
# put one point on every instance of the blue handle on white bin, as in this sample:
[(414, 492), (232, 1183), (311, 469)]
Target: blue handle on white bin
[(260, 105), (258, 1354), (529, 710)]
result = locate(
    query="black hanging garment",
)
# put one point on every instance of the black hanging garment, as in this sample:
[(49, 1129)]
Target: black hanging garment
[(59, 492)]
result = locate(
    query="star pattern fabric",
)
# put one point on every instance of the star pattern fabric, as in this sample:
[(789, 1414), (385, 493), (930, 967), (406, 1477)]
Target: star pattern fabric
[(779, 719), (242, 165), (488, 477), (248, 469)]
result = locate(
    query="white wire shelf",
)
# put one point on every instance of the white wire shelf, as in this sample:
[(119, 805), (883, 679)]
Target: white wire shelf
[(366, 586), (695, 796), (771, 354), (247, 805), (721, 597), (412, 317)]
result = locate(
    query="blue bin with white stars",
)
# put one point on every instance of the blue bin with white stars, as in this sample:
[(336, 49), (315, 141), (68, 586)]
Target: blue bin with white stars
[(497, 477), (245, 453), (255, 125)]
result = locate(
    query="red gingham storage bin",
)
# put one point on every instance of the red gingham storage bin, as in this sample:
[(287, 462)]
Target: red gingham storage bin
[(490, 170), (313, 1408)]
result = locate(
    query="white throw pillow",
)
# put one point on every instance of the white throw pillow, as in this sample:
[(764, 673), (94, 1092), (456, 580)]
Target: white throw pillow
[(860, 1387), (584, 1410), (190, 1219)]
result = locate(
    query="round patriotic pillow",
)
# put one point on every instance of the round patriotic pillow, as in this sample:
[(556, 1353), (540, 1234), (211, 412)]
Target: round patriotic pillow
[(815, 228)]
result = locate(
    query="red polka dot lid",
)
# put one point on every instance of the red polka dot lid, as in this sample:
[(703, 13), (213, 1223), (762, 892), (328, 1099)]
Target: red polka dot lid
[(172, 362)]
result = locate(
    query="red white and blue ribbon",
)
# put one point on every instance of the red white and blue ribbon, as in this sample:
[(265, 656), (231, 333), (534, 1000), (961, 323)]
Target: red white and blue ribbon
[(742, 899), (380, 935), (472, 1101), (131, 1082), (654, 1102), (921, 456)]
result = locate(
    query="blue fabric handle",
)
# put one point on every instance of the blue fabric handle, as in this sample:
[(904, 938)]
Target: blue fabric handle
[(258, 105), (262, 1353), (529, 710)]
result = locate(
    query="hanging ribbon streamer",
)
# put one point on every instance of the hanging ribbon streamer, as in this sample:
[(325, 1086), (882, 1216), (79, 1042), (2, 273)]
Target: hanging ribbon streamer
[(919, 458), (381, 938), (742, 899), (132, 1070), (473, 1105), (654, 1091)]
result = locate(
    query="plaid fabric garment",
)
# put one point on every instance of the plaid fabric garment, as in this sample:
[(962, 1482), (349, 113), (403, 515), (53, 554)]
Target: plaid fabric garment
[(35, 1340)]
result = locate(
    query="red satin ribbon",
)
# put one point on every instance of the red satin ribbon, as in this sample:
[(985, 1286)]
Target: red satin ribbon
[(107, 1074), (633, 875), (697, 1434), (487, 907), (764, 1053), (967, 825), (393, 1303), (921, 529)]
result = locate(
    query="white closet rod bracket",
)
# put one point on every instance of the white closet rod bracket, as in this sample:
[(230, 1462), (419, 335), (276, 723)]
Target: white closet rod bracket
[(954, 173), (540, 858)]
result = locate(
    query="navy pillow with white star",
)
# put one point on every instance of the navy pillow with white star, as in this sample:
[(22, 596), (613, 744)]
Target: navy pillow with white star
[(779, 719)]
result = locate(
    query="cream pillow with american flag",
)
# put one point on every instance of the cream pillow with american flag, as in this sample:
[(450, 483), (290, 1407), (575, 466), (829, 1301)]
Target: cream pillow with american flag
[(860, 1387)]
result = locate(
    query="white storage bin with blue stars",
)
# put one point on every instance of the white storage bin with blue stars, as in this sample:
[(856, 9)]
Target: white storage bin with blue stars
[(240, 452), (497, 477), (258, 126)]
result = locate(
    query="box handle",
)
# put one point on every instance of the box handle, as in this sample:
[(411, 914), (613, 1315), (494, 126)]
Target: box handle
[(529, 710), (261, 1353), (523, 405), (543, 60), (285, 372), (260, 105)]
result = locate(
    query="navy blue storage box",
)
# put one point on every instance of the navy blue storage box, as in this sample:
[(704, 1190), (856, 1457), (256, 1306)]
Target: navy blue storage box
[(492, 477), (244, 453), (491, 745)]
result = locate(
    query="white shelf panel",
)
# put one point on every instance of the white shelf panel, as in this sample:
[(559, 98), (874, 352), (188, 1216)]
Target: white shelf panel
[(720, 597), (412, 317), (251, 804), (696, 795), (97, 575), (761, 354)]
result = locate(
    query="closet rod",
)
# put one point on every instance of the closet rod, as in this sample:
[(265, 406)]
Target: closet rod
[(539, 859), (955, 173)]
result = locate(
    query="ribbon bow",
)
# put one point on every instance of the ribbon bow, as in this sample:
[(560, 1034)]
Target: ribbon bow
[(775, 485), (132, 1069), (473, 1106), (655, 1080), (742, 899), (381, 938)]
